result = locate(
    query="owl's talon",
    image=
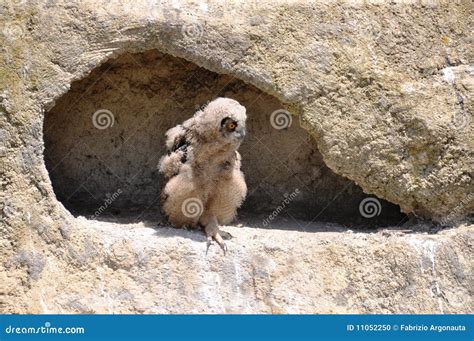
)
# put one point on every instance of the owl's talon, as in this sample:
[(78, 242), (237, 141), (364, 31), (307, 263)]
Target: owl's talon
[(218, 239), (208, 244), (224, 247)]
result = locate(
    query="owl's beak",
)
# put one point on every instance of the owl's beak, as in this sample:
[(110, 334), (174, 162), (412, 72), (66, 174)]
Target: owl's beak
[(240, 132)]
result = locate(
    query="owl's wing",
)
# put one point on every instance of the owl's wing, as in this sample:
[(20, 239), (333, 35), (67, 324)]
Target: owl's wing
[(177, 151), (175, 137)]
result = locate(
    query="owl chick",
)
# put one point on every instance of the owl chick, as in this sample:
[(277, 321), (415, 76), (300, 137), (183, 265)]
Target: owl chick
[(204, 183)]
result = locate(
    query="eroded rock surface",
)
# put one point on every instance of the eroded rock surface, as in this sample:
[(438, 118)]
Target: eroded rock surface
[(384, 89), (133, 268)]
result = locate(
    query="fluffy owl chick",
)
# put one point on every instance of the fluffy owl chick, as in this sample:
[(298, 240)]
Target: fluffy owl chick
[(204, 183)]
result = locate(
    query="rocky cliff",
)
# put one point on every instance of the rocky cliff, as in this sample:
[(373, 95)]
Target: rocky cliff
[(376, 99)]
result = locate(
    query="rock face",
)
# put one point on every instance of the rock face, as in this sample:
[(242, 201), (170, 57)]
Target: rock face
[(132, 268), (385, 91)]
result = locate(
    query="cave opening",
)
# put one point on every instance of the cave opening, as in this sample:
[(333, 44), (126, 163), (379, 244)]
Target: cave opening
[(105, 136)]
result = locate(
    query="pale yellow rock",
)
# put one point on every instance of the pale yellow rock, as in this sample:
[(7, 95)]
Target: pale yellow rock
[(384, 88)]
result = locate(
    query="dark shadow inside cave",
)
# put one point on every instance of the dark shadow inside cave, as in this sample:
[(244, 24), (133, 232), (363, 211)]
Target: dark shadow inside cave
[(103, 140)]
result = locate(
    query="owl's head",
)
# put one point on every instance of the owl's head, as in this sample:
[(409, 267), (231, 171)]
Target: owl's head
[(222, 120)]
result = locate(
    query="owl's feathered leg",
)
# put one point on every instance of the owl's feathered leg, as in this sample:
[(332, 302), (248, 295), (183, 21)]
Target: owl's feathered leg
[(211, 227)]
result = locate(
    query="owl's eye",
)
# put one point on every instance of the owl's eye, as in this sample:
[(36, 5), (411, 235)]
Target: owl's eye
[(231, 126)]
